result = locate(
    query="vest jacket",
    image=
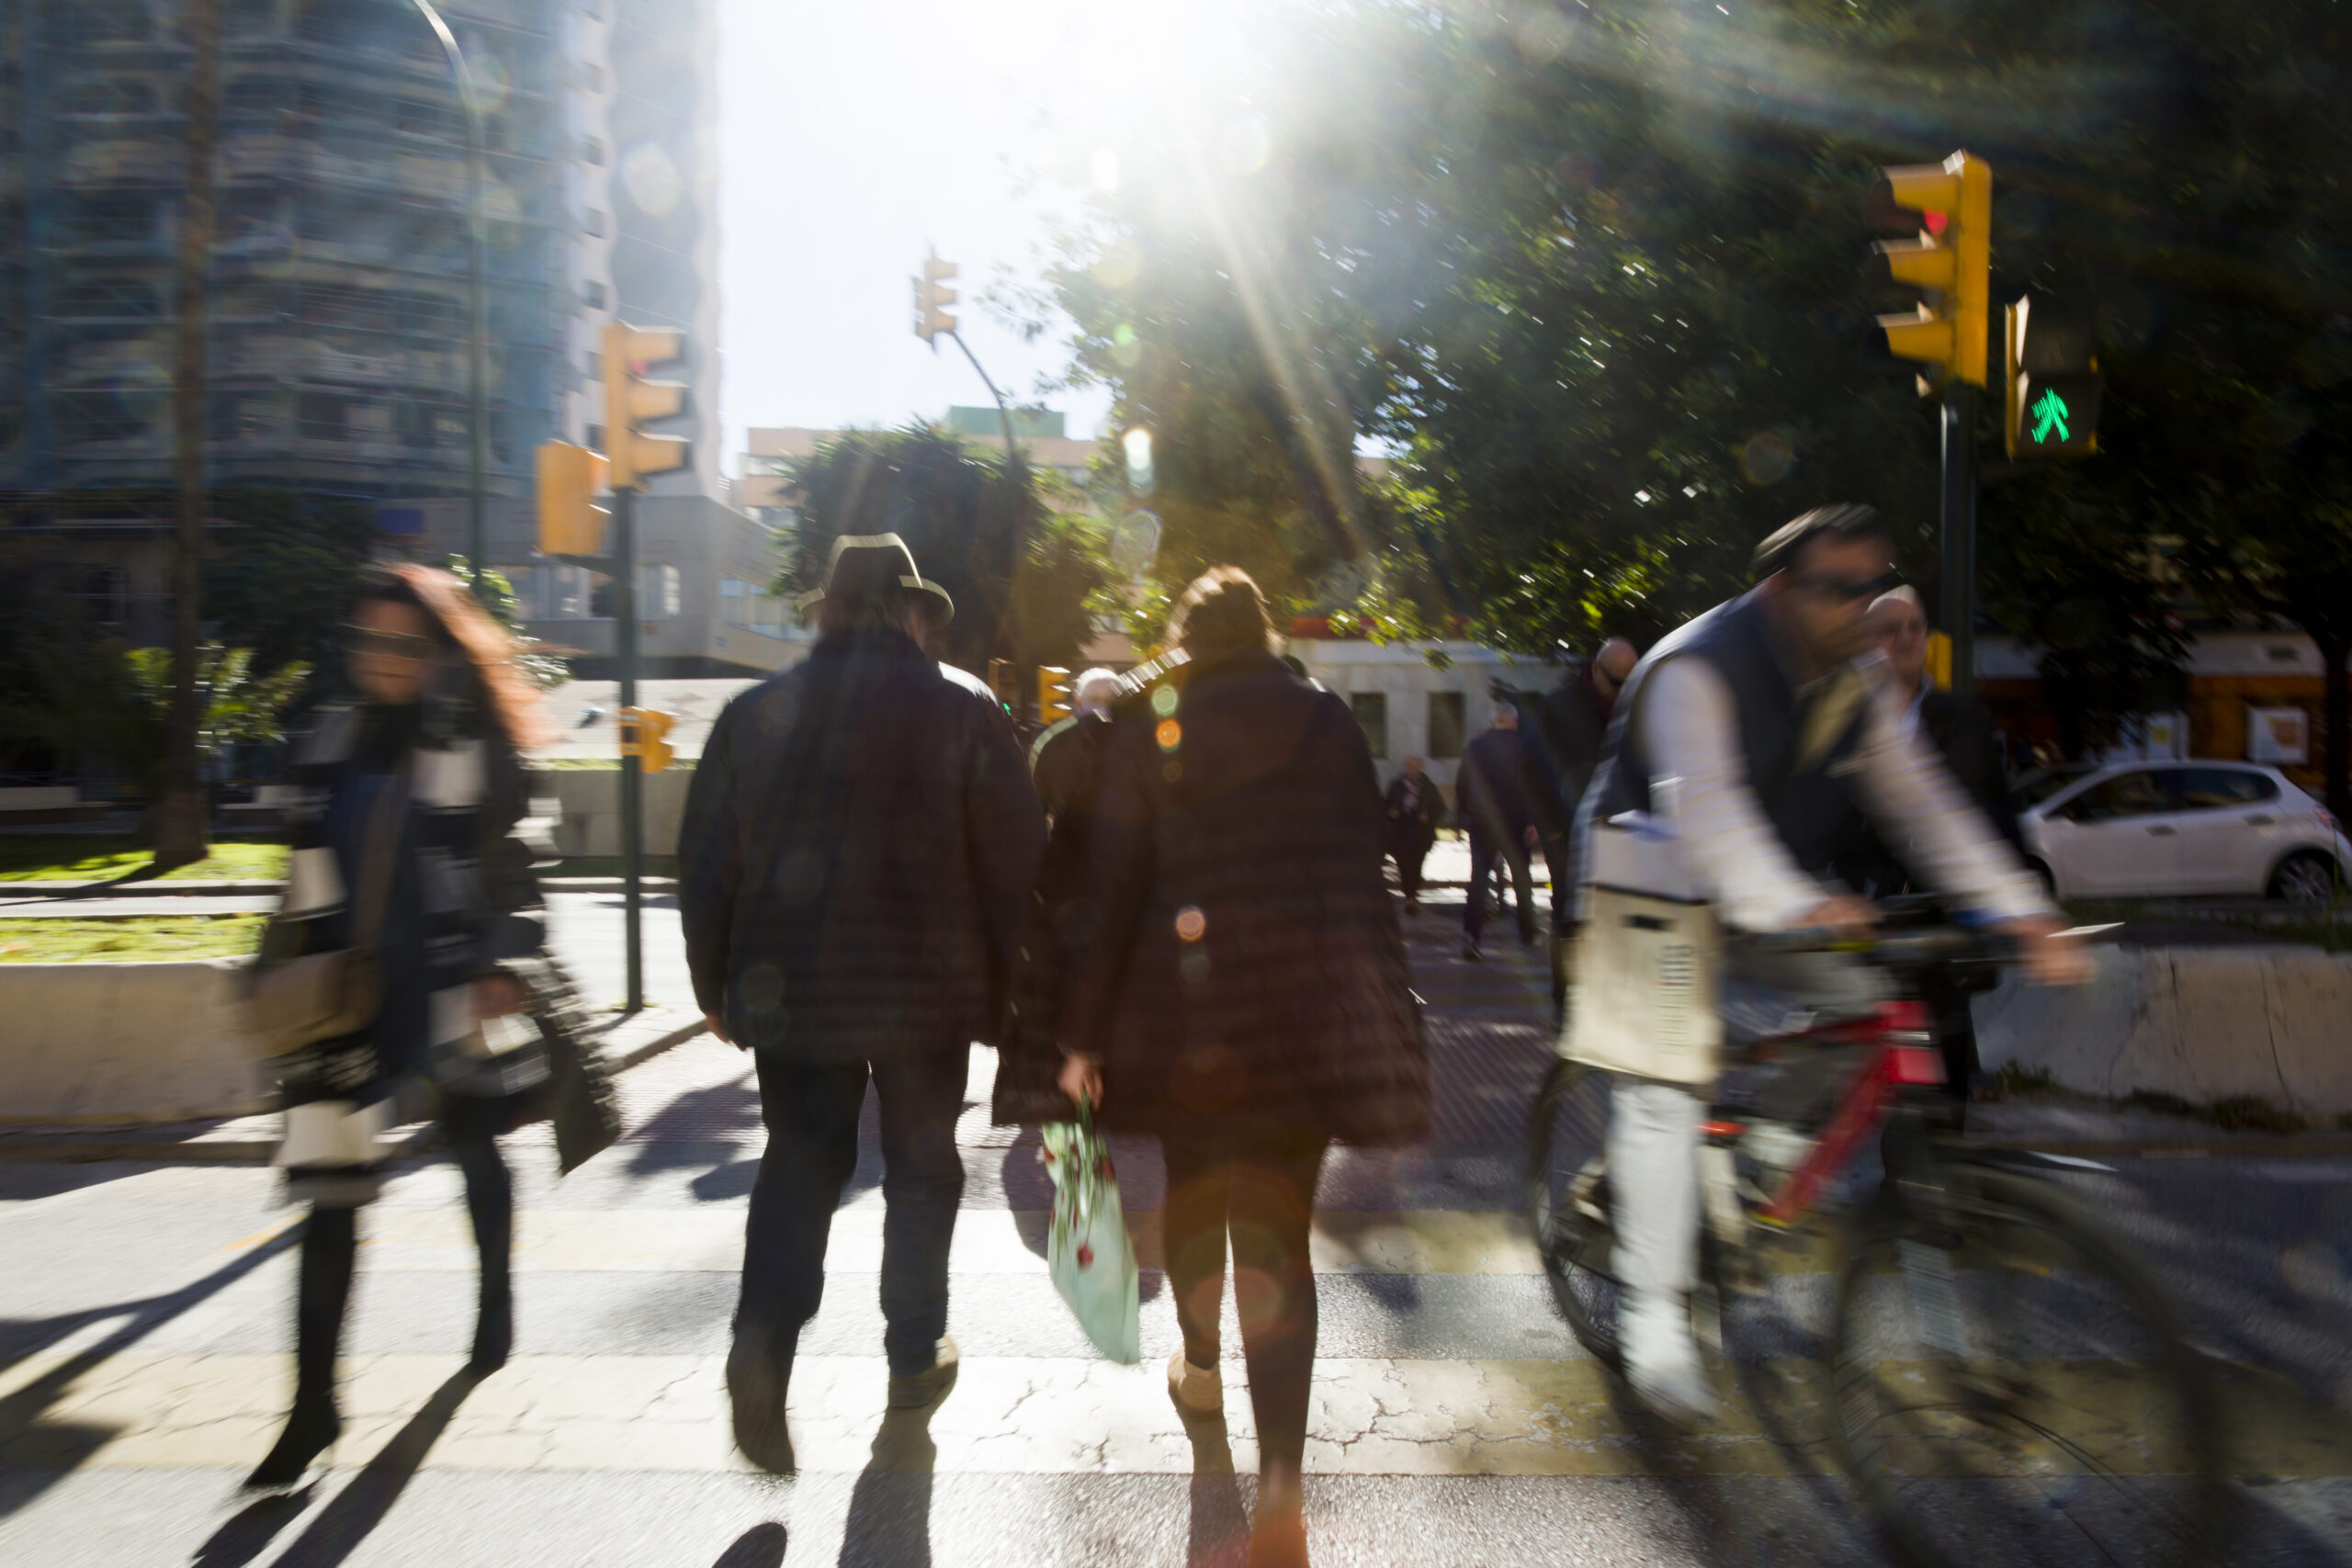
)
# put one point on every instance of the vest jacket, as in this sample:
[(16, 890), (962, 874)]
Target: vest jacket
[(1811, 802)]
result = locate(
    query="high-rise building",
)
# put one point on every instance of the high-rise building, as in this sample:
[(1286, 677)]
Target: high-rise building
[(338, 291)]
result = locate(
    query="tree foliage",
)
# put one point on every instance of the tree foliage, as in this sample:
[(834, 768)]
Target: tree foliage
[(1593, 274)]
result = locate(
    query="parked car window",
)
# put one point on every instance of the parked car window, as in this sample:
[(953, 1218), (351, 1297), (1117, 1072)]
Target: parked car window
[(2210, 789), (2041, 784), (2141, 794)]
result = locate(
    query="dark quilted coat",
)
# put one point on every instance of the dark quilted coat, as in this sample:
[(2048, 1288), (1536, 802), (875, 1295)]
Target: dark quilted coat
[(1243, 975), (856, 856)]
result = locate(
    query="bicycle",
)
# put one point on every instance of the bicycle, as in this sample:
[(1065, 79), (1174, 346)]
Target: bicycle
[(1979, 1311)]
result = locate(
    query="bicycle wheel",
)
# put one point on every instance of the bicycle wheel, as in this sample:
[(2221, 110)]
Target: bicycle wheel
[(1568, 1198), (2012, 1387)]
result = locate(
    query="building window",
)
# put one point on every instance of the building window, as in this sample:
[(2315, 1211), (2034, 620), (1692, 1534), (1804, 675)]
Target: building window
[(124, 94), (595, 366), (1372, 712), (594, 221), (591, 150), (661, 594), (592, 438), (594, 293), (1445, 725), (100, 592)]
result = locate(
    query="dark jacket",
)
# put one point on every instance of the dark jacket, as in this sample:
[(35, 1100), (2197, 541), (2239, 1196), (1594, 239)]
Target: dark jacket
[(1416, 824), (1065, 763), (1961, 729), (857, 851), (1571, 724), (1502, 787), (1244, 975)]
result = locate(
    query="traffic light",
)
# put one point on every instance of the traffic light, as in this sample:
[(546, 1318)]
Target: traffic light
[(570, 478), (2050, 354), (1950, 260), (644, 733), (1053, 694), (931, 300), (632, 400)]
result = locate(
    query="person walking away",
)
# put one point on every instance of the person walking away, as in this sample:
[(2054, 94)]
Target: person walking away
[(858, 851), (1571, 724), (1416, 810), (1243, 996), (1960, 731), (1504, 805), (1066, 763), (406, 799), (1752, 732)]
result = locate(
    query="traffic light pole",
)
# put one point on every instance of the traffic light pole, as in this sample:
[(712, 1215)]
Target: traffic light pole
[(1959, 573), (632, 767)]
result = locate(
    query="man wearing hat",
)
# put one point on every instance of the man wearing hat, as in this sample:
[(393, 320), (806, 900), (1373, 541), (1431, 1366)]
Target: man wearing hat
[(856, 855)]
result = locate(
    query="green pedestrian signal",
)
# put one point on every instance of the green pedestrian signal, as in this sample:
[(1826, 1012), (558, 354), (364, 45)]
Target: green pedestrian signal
[(2049, 414)]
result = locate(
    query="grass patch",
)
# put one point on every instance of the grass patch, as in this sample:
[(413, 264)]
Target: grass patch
[(2244, 1114), (66, 857), (137, 938)]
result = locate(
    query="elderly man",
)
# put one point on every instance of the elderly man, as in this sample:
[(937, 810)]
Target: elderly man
[(1415, 809), (1509, 810), (855, 860)]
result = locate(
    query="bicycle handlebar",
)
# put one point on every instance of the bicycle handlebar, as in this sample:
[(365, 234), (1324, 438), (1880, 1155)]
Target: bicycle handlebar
[(1940, 945)]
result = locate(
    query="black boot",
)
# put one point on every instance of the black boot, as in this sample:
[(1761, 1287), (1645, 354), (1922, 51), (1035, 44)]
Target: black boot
[(329, 1244), (490, 1200)]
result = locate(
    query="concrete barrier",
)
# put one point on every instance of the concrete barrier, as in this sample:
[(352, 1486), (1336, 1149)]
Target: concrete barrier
[(590, 827), (103, 1045), (2199, 1023)]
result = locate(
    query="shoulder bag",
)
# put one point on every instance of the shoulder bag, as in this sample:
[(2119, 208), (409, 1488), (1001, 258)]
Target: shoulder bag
[(296, 1001)]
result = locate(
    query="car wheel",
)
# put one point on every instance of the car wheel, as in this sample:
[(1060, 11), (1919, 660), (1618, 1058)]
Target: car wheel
[(2305, 878)]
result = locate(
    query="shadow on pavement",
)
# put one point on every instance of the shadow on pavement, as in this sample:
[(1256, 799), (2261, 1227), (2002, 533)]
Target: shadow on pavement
[(28, 1443), (762, 1545), (247, 1533), (1218, 1533), (361, 1506), (890, 1509)]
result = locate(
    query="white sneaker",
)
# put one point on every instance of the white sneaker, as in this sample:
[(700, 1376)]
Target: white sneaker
[(1198, 1389), (1662, 1361)]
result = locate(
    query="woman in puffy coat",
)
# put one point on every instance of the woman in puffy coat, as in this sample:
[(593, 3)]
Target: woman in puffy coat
[(1239, 989), (406, 800)]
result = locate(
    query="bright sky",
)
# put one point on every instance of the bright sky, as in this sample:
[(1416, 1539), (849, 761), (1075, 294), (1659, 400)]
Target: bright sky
[(854, 136)]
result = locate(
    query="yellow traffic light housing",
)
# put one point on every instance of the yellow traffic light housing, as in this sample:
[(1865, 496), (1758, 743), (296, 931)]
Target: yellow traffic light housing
[(1951, 262), (644, 736), (1053, 694), (931, 300), (632, 399), (570, 478)]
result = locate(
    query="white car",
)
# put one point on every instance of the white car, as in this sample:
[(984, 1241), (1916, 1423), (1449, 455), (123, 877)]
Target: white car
[(2158, 829)]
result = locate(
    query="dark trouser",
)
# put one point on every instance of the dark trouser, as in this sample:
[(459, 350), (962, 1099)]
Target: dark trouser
[(331, 1244), (1484, 852), (1946, 997), (1263, 1198), (811, 1110), (1409, 850)]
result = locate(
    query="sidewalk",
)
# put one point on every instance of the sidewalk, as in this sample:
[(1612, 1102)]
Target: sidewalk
[(253, 1140)]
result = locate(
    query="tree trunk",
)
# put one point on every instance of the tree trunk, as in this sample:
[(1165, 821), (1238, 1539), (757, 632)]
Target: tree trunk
[(178, 813)]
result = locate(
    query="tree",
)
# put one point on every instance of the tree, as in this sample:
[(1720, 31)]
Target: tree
[(177, 814), (970, 516)]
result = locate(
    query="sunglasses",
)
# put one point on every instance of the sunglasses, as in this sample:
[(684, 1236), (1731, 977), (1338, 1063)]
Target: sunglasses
[(1844, 590), (391, 644)]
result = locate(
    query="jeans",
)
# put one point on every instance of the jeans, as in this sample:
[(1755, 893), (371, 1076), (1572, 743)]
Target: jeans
[(812, 1111), (1263, 1200)]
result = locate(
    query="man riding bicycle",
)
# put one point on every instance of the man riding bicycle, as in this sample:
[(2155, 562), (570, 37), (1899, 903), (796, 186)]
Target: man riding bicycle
[(1755, 733)]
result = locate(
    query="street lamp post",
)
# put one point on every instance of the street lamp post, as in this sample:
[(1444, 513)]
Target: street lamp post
[(477, 535)]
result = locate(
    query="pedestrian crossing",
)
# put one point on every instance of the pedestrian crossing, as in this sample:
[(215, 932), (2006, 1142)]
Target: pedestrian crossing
[(1443, 1363)]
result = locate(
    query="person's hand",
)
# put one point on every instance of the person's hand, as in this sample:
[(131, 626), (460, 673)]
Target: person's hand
[(1530, 835), (717, 1027), (498, 995), (1081, 1079), (1842, 913), (2050, 958)]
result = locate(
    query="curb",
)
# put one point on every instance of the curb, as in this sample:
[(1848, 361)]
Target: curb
[(31, 891), (245, 1147), (2243, 1145)]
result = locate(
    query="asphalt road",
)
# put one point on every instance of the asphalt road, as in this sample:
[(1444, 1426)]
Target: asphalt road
[(144, 1331)]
